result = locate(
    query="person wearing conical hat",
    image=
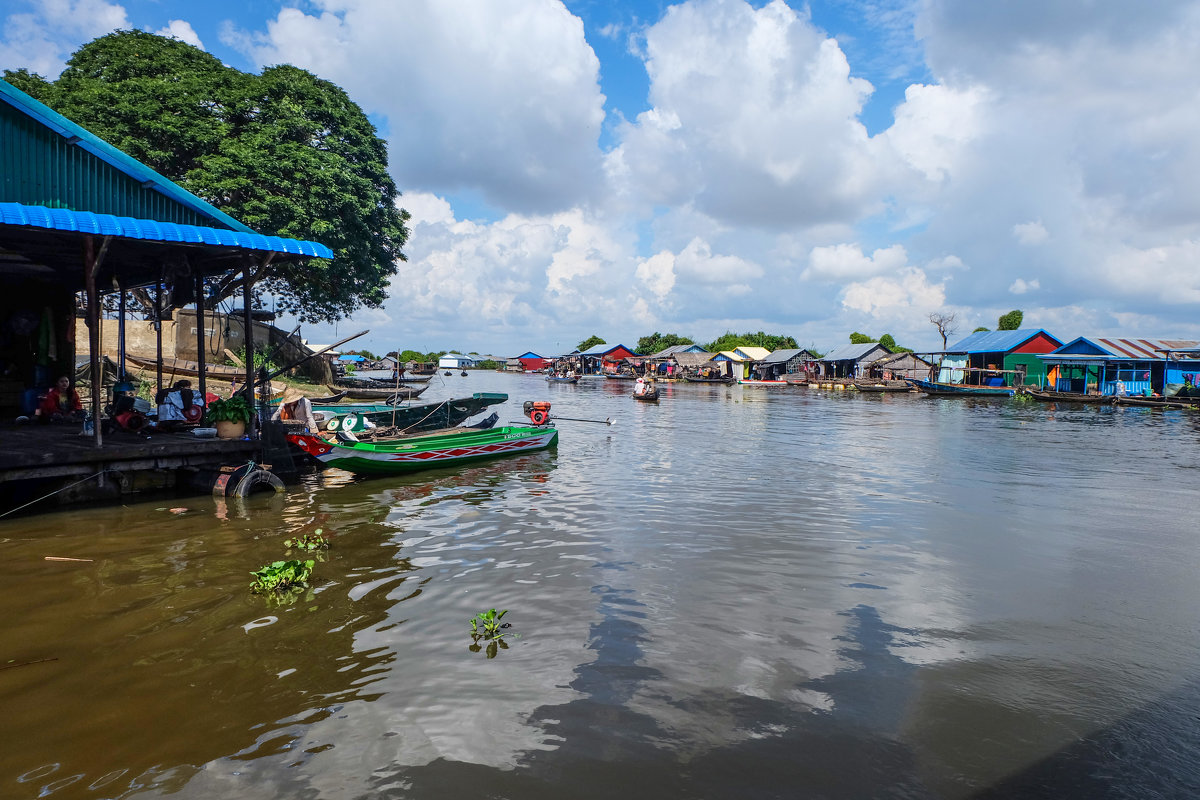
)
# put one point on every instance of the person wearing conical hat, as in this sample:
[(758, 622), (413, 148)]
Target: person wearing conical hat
[(295, 406)]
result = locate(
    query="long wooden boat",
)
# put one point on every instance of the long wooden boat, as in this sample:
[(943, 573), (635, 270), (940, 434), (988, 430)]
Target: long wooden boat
[(882, 386), (1158, 402), (410, 454), (753, 382), (725, 380), (403, 393), (382, 376), (625, 376), (960, 389), (557, 379), (1047, 396), (413, 418), (183, 368)]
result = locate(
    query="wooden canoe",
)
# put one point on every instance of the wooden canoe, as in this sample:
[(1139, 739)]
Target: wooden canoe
[(403, 393), (1069, 397)]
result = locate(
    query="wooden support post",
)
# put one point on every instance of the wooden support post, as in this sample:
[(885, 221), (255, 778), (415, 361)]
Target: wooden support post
[(200, 337), (91, 266), (158, 315), (248, 324), (121, 332)]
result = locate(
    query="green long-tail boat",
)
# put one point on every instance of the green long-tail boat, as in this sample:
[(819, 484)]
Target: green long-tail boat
[(413, 453)]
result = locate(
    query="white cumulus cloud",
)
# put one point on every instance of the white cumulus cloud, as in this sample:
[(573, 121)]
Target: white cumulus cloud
[(502, 99), (183, 31)]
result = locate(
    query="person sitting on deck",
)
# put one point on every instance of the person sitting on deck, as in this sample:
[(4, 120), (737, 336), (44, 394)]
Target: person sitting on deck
[(295, 406), (61, 403)]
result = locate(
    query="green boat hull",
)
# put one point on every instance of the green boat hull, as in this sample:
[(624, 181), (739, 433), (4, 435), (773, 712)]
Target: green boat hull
[(416, 453)]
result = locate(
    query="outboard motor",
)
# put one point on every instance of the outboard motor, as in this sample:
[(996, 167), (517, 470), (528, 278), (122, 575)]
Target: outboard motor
[(538, 411)]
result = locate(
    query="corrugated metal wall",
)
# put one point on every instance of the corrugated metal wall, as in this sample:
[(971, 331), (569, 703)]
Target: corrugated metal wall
[(40, 168)]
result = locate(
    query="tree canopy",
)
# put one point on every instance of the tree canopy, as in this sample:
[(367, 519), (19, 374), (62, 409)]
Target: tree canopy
[(730, 341), (284, 152), (591, 341), (657, 342), (1011, 321), (861, 338)]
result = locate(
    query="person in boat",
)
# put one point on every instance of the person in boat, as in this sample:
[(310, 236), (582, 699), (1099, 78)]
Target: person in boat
[(642, 386), (61, 403), (295, 406)]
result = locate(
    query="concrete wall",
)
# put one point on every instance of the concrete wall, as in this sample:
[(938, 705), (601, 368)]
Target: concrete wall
[(220, 333)]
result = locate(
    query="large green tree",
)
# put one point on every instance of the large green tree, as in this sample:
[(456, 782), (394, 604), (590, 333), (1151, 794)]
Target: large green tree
[(730, 340), (591, 341), (861, 338), (284, 152), (1011, 321), (657, 342)]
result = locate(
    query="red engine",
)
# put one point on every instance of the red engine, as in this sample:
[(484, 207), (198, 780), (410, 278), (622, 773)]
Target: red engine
[(538, 411)]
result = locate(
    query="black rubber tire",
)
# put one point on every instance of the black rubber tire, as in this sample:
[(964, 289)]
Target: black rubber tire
[(246, 480)]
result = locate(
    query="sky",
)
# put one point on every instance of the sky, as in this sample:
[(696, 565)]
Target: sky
[(623, 167)]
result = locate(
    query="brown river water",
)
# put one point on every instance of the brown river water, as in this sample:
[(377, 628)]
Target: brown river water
[(738, 593)]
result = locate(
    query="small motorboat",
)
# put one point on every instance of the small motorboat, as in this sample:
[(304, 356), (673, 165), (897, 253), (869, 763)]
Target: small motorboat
[(447, 373), (464, 373), (645, 391)]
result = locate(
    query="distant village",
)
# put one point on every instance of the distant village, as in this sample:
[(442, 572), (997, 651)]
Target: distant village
[(1104, 366)]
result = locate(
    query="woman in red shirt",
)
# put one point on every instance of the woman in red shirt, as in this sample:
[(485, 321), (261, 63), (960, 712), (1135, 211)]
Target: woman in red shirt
[(61, 403)]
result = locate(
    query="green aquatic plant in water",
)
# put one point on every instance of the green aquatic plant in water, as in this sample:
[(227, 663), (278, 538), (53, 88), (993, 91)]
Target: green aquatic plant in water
[(308, 541), (281, 577), (486, 626)]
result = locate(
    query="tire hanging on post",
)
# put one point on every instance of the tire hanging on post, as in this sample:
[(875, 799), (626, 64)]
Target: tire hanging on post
[(246, 480)]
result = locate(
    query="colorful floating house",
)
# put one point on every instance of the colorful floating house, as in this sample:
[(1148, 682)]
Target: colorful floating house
[(998, 358), (601, 358), (1123, 366), (532, 362), (77, 215)]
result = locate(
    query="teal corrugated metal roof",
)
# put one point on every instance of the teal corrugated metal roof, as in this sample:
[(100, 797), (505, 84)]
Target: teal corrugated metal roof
[(61, 219), (85, 140)]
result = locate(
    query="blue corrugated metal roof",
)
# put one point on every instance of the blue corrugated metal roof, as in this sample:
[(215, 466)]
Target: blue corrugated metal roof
[(995, 341), (602, 349), (62, 219), (86, 140)]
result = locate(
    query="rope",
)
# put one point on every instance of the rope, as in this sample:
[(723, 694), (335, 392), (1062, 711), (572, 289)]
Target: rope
[(427, 416), (56, 491)]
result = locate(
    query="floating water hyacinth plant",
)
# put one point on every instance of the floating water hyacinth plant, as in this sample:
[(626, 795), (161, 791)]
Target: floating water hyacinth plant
[(308, 541), (487, 625), (281, 577)]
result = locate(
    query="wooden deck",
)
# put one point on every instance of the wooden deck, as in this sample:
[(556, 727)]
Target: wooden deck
[(37, 460)]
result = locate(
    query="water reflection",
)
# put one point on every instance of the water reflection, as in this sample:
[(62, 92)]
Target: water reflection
[(737, 592)]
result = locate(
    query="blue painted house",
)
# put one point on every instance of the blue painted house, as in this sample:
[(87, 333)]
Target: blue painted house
[(1133, 366)]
